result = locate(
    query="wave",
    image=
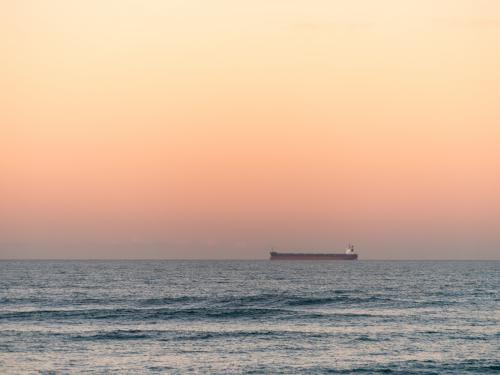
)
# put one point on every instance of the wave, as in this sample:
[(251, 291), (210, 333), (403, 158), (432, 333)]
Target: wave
[(168, 335), (264, 300), (269, 299), (200, 313), (420, 367), (180, 336)]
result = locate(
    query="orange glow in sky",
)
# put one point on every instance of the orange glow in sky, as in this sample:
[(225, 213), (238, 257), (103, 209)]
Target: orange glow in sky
[(217, 129)]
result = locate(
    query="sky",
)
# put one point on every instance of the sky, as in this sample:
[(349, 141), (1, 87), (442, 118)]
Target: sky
[(219, 129)]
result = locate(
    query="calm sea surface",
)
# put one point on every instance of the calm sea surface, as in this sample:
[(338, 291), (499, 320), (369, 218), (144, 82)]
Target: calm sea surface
[(249, 317)]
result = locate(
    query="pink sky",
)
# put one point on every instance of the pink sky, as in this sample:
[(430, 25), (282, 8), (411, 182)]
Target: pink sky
[(194, 129)]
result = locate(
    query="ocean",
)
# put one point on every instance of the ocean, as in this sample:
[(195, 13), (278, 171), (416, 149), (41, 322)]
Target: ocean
[(252, 317)]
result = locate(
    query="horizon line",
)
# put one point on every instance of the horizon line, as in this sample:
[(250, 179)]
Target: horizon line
[(247, 259)]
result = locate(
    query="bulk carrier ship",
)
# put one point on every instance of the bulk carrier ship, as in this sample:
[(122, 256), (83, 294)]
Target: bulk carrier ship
[(348, 254)]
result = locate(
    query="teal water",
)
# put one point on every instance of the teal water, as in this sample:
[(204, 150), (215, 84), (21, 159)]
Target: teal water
[(249, 317)]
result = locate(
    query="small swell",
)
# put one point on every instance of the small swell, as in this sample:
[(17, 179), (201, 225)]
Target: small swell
[(224, 335), (168, 300), (361, 370), (250, 334), (307, 301), (206, 313), (115, 335)]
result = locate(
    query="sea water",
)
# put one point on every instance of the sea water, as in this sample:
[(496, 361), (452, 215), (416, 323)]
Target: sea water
[(249, 317)]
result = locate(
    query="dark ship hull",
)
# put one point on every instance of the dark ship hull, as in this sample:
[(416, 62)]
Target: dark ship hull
[(305, 256)]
